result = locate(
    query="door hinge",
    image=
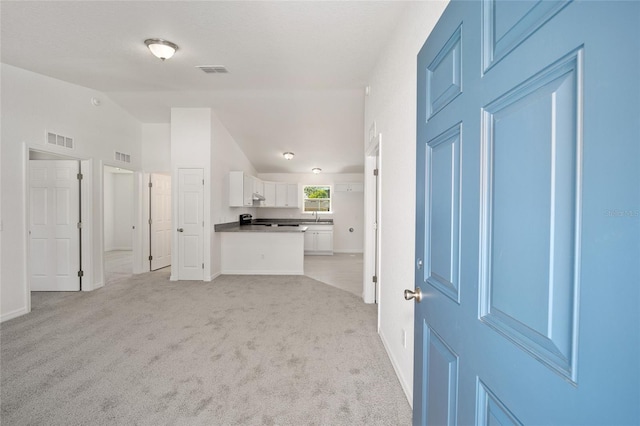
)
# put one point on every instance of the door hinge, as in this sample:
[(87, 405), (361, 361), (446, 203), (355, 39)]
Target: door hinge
[(374, 279), (150, 221), (202, 182), (81, 274), (79, 225), (79, 176), (150, 257), (375, 172), (150, 185), (203, 266)]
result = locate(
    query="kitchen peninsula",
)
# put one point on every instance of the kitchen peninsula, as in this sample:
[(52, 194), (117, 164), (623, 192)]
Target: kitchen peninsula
[(262, 248)]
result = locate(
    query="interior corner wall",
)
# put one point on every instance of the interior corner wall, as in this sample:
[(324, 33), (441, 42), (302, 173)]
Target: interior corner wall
[(31, 106), (391, 104)]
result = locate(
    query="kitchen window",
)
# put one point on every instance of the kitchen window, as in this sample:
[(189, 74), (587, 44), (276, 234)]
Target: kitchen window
[(317, 198)]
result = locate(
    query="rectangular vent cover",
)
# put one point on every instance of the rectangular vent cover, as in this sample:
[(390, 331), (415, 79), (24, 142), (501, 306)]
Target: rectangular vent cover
[(213, 69), (59, 140), (122, 157)]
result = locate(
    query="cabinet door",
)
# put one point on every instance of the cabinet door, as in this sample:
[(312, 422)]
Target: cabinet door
[(292, 195), (309, 241), (236, 189), (281, 195), (258, 186), (248, 190), (269, 194), (324, 241)]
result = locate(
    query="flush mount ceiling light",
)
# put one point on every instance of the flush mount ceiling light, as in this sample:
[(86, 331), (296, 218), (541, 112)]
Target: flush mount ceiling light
[(316, 170), (288, 155), (162, 49)]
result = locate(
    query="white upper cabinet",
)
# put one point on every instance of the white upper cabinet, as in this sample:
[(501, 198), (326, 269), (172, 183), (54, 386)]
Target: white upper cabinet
[(243, 189), (349, 187), (286, 194), (269, 194)]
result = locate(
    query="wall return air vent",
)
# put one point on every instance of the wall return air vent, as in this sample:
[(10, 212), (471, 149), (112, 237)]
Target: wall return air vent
[(213, 69), (122, 157), (59, 140)]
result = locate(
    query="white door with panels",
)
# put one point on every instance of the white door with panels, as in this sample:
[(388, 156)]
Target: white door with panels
[(190, 226), (54, 205), (160, 221)]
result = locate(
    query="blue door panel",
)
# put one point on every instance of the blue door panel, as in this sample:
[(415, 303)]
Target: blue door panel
[(528, 214)]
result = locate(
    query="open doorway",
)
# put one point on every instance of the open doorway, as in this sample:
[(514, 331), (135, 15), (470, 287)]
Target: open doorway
[(118, 214)]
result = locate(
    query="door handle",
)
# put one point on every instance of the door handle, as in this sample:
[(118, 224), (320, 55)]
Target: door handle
[(180, 229), (408, 295)]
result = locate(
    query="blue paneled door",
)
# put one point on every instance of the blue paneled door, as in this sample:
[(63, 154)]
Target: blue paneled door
[(528, 215)]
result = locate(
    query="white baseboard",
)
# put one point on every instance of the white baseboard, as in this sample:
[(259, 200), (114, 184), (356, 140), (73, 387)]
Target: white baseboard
[(96, 286), (349, 251), (119, 249), (14, 314), (408, 391), (214, 276)]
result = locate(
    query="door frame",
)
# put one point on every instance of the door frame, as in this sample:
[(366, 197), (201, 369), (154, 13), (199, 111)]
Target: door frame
[(136, 243), (207, 231), (373, 160), (86, 236)]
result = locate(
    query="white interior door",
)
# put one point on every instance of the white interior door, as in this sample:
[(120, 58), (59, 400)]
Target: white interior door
[(160, 215), (54, 197), (190, 224)]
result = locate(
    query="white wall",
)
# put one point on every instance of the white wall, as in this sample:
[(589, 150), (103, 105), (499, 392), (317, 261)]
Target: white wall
[(348, 207), (226, 156), (118, 211), (33, 104), (392, 105), (156, 148), (109, 210)]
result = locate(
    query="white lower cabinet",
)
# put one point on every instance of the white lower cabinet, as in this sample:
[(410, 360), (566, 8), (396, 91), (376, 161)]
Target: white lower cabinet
[(318, 239)]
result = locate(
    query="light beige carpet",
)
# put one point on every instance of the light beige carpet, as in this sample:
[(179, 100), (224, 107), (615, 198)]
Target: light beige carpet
[(236, 351)]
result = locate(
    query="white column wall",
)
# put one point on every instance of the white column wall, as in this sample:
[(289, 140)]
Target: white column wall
[(226, 156), (392, 105)]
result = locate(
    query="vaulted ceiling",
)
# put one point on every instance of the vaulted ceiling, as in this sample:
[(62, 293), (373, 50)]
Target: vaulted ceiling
[(297, 69)]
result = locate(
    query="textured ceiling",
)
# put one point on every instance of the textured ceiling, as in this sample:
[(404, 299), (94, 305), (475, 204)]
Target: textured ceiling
[(297, 70)]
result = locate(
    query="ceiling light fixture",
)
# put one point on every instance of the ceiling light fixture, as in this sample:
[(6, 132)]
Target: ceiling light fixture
[(162, 49), (288, 155), (316, 170)]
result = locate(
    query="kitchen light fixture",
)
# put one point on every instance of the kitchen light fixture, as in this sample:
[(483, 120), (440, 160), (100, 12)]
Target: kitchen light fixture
[(316, 170), (288, 155), (162, 49)]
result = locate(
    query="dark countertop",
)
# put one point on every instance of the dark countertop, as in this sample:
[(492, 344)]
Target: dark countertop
[(294, 221), (262, 225), (260, 228)]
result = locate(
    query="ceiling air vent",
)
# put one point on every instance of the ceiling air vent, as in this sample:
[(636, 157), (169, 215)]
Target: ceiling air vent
[(213, 69), (59, 140), (122, 157)]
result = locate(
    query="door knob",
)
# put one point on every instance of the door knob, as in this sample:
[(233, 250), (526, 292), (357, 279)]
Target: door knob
[(180, 229), (408, 295)]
